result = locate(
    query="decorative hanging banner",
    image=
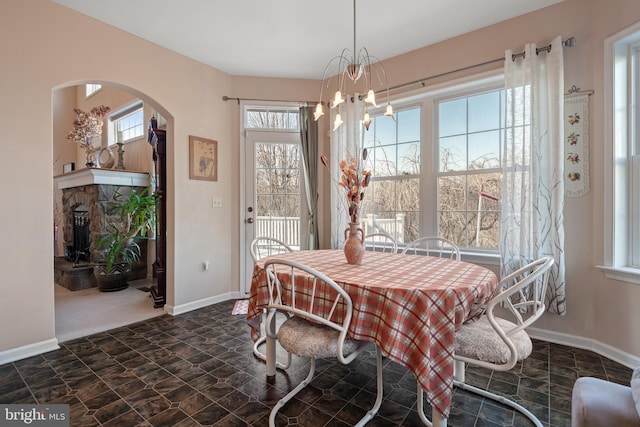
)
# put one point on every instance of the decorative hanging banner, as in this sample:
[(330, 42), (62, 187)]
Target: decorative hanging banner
[(576, 145)]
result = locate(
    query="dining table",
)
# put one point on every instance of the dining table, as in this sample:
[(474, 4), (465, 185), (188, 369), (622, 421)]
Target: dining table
[(409, 305)]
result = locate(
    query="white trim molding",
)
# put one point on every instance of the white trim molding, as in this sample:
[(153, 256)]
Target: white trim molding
[(623, 274), (205, 302), (629, 360), (28, 350)]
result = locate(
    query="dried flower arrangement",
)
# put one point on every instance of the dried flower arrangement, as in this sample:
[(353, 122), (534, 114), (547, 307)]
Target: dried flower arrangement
[(354, 179), (86, 126)]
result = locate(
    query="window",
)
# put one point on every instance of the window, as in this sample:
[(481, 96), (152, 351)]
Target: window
[(271, 118), (127, 123), (393, 202), (91, 88), (622, 161), (469, 176), (437, 167)]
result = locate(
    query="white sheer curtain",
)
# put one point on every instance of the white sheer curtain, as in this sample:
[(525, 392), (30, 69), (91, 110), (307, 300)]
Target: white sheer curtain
[(345, 141), (532, 223)]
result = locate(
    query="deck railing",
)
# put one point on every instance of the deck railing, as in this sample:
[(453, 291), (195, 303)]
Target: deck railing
[(391, 226), (285, 229)]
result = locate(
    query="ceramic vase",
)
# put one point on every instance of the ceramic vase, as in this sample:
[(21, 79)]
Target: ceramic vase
[(354, 243), (91, 160), (106, 158)]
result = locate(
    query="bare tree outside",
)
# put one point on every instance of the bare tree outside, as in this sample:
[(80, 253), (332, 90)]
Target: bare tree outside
[(464, 198)]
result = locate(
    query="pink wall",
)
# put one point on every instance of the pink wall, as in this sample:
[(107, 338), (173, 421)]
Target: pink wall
[(44, 47)]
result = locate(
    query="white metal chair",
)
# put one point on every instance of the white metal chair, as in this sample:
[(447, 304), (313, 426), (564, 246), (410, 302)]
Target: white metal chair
[(496, 343), (261, 247), (266, 246), (433, 246), (380, 242), (320, 313)]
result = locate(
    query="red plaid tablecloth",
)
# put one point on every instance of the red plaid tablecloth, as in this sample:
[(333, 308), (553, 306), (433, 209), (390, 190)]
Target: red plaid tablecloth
[(409, 305)]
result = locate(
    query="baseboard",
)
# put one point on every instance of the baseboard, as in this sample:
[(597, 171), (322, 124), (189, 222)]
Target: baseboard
[(194, 305), (29, 350), (610, 352)]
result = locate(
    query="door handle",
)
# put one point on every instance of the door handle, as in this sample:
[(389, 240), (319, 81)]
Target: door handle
[(250, 220)]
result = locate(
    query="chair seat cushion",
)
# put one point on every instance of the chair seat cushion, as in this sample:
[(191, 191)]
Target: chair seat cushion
[(308, 339), (479, 340)]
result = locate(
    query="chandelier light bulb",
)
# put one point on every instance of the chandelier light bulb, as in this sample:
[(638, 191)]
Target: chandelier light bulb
[(318, 113), (338, 99), (389, 111), (371, 98), (337, 122), (366, 121)]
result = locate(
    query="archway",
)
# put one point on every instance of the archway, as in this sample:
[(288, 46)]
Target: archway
[(137, 158)]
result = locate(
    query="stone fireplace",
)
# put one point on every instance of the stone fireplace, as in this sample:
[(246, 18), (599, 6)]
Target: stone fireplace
[(86, 197)]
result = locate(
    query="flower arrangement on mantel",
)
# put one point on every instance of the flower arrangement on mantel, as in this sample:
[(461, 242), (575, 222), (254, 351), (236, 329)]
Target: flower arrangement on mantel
[(86, 126), (354, 179)]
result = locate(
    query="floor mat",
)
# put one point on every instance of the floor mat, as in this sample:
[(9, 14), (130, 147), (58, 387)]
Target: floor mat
[(241, 306)]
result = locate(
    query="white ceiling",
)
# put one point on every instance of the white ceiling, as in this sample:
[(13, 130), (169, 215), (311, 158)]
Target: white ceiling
[(296, 38)]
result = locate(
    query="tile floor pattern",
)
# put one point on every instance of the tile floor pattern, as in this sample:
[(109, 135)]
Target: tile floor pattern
[(198, 369)]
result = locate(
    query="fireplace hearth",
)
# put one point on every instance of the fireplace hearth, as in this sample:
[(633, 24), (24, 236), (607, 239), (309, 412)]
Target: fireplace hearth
[(86, 195)]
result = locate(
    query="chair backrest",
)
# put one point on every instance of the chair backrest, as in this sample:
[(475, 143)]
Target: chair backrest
[(433, 246), (380, 242), (265, 246), (523, 294), (300, 290)]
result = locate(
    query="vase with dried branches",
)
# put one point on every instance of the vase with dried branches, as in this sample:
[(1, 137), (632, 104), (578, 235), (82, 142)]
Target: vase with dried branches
[(86, 127)]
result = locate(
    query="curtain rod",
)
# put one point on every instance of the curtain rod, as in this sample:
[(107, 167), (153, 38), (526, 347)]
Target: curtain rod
[(570, 42), (229, 98)]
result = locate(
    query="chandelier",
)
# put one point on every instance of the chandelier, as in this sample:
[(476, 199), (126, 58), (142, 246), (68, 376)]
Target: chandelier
[(351, 67)]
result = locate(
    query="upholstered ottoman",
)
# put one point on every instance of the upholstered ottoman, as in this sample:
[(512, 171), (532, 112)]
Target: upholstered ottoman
[(599, 403)]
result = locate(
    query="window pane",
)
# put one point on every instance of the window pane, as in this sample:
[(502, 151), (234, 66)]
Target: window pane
[(91, 88), (484, 112), (484, 150), (271, 119), (384, 129), (384, 161), (452, 117), (408, 122), (451, 193), (409, 158), (453, 153), (453, 226), (408, 195), (381, 197)]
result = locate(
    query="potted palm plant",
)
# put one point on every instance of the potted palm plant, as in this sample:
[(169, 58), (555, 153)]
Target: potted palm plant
[(119, 248)]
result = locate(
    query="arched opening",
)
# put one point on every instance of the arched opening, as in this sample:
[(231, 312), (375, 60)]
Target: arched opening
[(81, 310)]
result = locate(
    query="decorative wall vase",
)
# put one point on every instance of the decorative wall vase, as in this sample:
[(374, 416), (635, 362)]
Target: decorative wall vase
[(106, 158), (354, 243)]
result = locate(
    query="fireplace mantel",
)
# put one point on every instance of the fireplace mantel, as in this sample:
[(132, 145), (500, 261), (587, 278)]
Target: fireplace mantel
[(92, 176)]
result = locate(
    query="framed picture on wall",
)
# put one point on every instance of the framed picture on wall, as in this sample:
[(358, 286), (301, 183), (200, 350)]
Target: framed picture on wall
[(203, 159)]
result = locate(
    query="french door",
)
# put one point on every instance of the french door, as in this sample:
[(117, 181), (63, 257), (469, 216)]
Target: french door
[(274, 203)]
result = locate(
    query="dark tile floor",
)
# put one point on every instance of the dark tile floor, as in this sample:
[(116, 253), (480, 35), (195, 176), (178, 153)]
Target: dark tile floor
[(198, 369)]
